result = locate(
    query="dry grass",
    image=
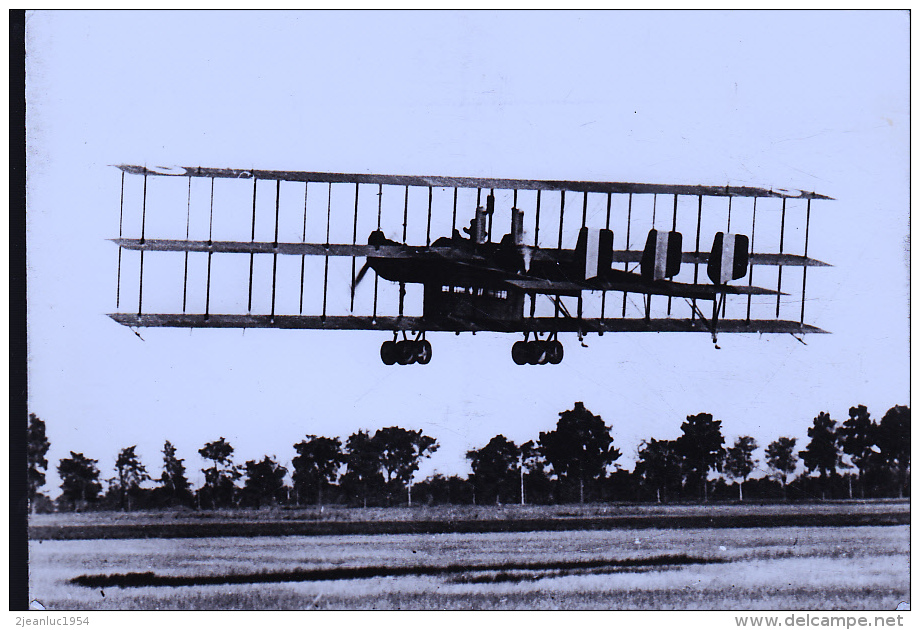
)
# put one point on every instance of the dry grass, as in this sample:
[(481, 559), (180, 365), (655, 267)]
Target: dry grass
[(768, 568)]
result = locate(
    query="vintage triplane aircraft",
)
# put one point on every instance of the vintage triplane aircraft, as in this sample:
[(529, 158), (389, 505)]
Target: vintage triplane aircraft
[(470, 281)]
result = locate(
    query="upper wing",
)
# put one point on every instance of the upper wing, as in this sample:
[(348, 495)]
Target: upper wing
[(473, 182)]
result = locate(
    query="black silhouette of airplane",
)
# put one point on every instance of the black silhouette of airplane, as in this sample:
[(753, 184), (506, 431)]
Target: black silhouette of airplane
[(473, 284)]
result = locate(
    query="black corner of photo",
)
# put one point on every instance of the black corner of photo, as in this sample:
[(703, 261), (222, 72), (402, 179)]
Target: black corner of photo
[(19, 549)]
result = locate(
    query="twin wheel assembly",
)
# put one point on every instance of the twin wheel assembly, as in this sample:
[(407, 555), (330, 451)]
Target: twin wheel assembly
[(405, 352), (408, 351), (537, 352)]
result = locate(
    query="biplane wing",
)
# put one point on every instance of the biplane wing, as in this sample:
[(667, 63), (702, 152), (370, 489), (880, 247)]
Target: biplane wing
[(475, 284)]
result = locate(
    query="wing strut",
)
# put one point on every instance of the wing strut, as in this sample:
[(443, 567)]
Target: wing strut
[(751, 268), (140, 288), (604, 293), (354, 240), (207, 295), (121, 212), (674, 228), (805, 266), (326, 262), (252, 256), (275, 254), (628, 228), (782, 234), (696, 263), (303, 258), (188, 219)]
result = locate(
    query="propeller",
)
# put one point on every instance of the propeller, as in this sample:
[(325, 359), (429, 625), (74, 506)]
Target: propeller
[(361, 273)]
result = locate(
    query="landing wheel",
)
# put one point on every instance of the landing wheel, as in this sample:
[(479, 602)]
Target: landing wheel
[(405, 352), (539, 354), (520, 352), (423, 351), (555, 352), (388, 352)]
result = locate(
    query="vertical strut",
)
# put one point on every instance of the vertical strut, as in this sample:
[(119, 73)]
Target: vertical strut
[(275, 253), (606, 226), (453, 219), (354, 239), (779, 280), (805, 262), (728, 229), (628, 227), (536, 232), (751, 267), (428, 227), (140, 287), (188, 218), (211, 218), (561, 219), (696, 260), (402, 285), (121, 212), (144, 211), (674, 229), (492, 197), (326, 257), (303, 257), (584, 210), (252, 256), (379, 218), (405, 216), (207, 294)]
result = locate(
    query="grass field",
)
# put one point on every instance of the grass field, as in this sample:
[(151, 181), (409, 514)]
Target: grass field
[(829, 567)]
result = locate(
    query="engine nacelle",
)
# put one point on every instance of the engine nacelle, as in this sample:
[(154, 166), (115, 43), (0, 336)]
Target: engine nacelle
[(729, 258), (594, 251), (662, 255)]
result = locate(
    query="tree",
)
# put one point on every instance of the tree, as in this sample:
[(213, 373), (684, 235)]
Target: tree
[(659, 466), (495, 469), (894, 442), (580, 449), (264, 483), (131, 474), (858, 435), (220, 478), (781, 458), (174, 486), (362, 466), (37, 446), (823, 451), (316, 465), (701, 449), (80, 480), (740, 462), (401, 451)]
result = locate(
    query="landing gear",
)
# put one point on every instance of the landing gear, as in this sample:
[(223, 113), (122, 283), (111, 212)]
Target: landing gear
[(537, 352), (406, 352)]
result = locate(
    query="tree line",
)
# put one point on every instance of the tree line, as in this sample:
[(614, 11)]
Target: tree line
[(575, 462)]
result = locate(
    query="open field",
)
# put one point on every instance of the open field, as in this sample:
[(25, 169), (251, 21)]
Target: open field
[(458, 519), (762, 568), (788, 567)]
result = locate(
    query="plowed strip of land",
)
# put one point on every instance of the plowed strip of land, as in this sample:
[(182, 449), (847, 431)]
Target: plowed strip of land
[(236, 527)]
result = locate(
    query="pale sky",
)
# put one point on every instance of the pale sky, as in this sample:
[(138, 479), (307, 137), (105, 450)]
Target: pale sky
[(807, 100)]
